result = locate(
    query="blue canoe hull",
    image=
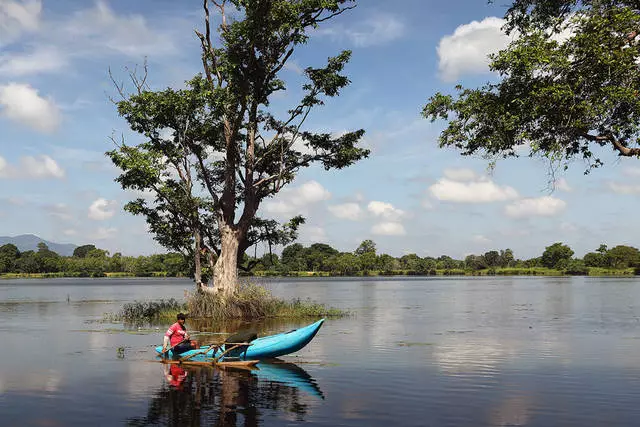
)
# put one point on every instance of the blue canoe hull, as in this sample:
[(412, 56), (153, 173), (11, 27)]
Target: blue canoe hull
[(264, 347)]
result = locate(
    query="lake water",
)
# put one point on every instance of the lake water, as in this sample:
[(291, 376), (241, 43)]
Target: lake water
[(415, 352)]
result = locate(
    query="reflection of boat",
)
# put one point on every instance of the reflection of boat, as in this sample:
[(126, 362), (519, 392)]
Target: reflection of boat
[(260, 348), (289, 374)]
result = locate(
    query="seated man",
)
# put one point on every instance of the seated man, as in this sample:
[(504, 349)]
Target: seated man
[(177, 339)]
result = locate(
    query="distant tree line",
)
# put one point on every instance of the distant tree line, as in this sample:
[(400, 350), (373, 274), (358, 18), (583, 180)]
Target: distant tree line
[(88, 261), (324, 258)]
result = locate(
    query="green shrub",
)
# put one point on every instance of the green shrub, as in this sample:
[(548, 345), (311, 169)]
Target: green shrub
[(253, 302)]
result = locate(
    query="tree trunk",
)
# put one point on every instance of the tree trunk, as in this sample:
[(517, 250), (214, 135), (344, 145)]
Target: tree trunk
[(225, 272), (197, 275)]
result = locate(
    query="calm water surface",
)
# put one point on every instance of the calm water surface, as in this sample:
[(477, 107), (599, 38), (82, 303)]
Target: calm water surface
[(415, 352)]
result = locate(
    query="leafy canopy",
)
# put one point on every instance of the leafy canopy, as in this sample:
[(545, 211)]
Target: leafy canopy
[(215, 149), (568, 83)]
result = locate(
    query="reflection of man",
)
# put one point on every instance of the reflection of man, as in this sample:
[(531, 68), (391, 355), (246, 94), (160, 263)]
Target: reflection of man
[(177, 337), (175, 376)]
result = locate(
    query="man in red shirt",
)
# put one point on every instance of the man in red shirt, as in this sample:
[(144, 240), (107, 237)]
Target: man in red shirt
[(178, 338)]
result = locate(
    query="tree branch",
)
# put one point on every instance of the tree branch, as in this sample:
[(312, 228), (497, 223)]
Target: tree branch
[(618, 145)]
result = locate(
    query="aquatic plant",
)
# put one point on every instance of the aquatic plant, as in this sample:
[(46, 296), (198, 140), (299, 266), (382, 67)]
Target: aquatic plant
[(148, 311), (253, 301)]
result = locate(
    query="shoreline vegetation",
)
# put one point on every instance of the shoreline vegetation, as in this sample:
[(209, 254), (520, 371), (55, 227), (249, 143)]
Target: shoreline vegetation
[(321, 260), (531, 271), (250, 302)]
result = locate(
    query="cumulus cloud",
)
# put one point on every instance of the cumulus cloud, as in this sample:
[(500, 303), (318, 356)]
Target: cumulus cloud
[(466, 50), (32, 167), (375, 30), (460, 174), (102, 209), (41, 167), (530, 207), (384, 210), (295, 200), (23, 104), (483, 191), (351, 211), (388, 229)]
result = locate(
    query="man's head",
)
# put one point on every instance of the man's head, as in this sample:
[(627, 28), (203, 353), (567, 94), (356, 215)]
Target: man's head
[(181, 318)]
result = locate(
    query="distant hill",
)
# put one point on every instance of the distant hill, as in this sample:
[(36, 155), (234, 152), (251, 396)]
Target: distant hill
[(29, 242)]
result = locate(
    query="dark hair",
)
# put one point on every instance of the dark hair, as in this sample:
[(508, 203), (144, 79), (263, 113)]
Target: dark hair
[(181, 316)]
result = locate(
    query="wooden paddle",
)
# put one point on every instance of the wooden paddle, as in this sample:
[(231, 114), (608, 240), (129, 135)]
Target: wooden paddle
[(206, 350), (172, 347)]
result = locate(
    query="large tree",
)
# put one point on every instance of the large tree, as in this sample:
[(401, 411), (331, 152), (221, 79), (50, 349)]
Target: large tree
[(216, 149), (568, 83)]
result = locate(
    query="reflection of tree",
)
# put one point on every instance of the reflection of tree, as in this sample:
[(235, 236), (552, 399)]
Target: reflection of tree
[(226, 397)]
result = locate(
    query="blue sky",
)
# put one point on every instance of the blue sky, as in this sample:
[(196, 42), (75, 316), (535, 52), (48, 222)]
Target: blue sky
[(409, 197)]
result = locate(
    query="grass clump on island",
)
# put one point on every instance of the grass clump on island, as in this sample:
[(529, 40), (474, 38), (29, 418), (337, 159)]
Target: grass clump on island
[(250, 302)]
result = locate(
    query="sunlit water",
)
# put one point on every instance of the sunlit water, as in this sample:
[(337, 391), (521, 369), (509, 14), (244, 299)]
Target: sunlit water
[(414, 352)]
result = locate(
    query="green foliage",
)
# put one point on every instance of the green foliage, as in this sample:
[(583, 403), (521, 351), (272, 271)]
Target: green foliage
[(367, 246), (149, 311), (215, 150), (252, 301), (569, 84), (82, 251), (576, 267), (622, 256), (556, 255)]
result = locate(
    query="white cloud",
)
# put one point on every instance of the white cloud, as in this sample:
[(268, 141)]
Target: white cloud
[(4, 168), (460, 174), (104, 233), (479, 238), (60, 211), (484, 191), (32, 167), (41, 167), (70, 232), (17, 17), (351, 211), (376, 30), (624, 188), (313, 234), (22, 103), (295, 200), (102, 209), (466, 50), (389, 229), (99, 30), (384, 210), (541, 206), (562, 185), (41, 60)]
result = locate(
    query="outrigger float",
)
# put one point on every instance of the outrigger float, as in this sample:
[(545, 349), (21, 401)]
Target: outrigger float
[(247, 353)]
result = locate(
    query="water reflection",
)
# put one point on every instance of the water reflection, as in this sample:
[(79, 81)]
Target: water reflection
[(230, 397)]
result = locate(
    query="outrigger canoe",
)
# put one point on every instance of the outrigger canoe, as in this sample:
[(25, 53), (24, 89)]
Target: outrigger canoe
[(261, 348)]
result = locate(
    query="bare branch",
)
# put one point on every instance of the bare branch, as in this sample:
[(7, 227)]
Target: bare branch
[(119, 88)]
